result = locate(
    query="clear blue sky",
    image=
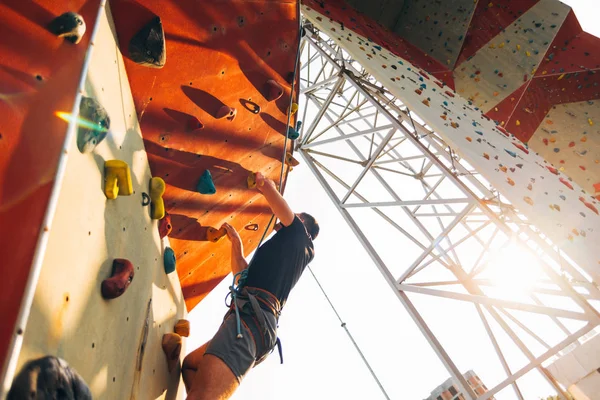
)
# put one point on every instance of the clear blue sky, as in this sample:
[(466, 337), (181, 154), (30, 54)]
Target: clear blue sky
[(320, 361)]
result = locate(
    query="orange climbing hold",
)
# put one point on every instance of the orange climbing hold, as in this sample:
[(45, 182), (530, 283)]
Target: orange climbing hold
[(486, 156), (171, 344), (597, 187), (226, 112), (157, 205), (510, 182), (251, 180), (214, 235), (273, 90), (182, 328), (290, 160), (426, 102), (117, 179), (469, 139), (164, 226), (528, 200)]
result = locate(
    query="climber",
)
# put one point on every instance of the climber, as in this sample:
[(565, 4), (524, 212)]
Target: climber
[(216, 369)]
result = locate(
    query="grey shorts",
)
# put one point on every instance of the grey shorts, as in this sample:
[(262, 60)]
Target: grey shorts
[(243, 354)]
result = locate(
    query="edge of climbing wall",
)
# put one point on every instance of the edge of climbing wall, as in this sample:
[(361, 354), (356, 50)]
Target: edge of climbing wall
[(39, 72), (219, 57)]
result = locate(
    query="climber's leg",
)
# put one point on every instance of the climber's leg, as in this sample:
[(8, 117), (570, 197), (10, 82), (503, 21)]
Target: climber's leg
[(190, 365), (213, 380)]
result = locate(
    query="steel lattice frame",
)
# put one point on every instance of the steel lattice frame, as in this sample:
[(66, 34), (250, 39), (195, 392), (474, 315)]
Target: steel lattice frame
[(360, 133)]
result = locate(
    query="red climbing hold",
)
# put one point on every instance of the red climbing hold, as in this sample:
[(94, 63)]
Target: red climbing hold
[(572, 144), (545, 141), (449, 93), (164, 226), (226, 112), (589, 205), (566, 183), (552, 169), (501, 129), (120, 278), (521, 147), (273, 90)]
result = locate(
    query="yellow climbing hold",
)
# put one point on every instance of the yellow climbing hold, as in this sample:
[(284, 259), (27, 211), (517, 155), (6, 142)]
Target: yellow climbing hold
[(492, 46), (157, 205), (294, 108), (552, 139), (528, 54), (590, 122), (251, 180), (501, 45), (117, 179), (518, 47), (490, 4), (561, 76), (518, 123)]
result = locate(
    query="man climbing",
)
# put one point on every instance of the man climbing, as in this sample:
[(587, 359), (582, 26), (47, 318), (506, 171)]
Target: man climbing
[(215, 370)]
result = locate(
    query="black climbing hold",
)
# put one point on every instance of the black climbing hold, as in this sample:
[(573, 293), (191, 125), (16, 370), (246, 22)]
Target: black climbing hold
[(69, 25), (205, 184), (145, 199), (48, 378), (250, 106), (93, 125), (147, 47)]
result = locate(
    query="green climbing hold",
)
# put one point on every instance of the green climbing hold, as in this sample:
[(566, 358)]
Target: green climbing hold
[(170, 261), (205, 184), (292, 133)]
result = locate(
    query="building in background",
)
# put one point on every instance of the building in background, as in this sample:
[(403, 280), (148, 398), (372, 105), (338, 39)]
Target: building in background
[(449, 389)]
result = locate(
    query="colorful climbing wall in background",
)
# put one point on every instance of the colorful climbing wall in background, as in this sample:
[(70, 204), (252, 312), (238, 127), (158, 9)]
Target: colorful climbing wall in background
[(39, 75), (220, 56), (526, 64), (548, 197)]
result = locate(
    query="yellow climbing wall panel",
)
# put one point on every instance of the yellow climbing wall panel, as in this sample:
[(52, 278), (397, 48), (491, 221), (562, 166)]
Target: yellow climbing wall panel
[(100, 338), (569, 138)]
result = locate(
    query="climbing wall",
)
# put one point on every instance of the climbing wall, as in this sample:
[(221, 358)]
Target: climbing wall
[(218, 54), (570, 140), (39, 73), (439, 34), (106, 340), (549, 198)]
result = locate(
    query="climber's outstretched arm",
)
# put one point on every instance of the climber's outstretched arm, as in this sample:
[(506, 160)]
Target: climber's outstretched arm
[(278, 205), (238, 262)]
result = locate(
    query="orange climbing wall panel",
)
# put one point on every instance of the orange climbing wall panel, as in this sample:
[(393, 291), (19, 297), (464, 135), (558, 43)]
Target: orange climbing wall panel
[(218, 53), (39, 74)]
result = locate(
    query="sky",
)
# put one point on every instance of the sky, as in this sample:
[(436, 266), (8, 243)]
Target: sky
[(320, 361)]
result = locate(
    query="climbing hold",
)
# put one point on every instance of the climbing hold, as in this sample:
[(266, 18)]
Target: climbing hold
[(145, 199), (251, 180), (93, 124), (117, 179), (226, 112), (214, 235), (252, 227), (169, 260), (273, 90), (528, 200), (164, 226), (521, 147), (518, 123), (486, 156), (590, 122), (120, 278), (566, 183), (552, 169), (293, 133), (147, 47), (469, 139), (511, 153), (48, 378), (250, 106), (294, 108), (290, 160), (426, 102), (69, 25), (597, 187), (205, 184), (171, 344), (510, 182), (454, 125), (572, 144), (157, 189), (182, 327)]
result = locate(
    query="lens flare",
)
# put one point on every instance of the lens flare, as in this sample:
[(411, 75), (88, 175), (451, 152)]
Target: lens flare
[(515, 268), (80, 121)]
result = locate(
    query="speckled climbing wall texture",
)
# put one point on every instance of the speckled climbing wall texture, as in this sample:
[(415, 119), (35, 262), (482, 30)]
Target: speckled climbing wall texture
[(39, 74), (550, 199), (437, 29), (106, 340), (511, 58), (220, 55), (568, 140)]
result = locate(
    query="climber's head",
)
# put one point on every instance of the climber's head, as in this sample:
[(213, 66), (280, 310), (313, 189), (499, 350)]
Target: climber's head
[(310, 223)]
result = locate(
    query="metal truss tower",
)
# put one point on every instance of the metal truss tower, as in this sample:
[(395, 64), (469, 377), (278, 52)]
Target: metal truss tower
[(421, 212)]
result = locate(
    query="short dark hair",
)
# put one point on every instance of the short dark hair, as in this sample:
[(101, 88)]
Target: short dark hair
[(311, 224)]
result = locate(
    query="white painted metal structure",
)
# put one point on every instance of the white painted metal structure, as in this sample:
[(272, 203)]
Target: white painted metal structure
[(431, 224)]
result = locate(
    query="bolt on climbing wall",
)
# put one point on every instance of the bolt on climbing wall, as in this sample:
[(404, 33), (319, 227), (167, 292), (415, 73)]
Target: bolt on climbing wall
[(437, 28), (550, 199), (569, 138), (104, 301), (511, 58)]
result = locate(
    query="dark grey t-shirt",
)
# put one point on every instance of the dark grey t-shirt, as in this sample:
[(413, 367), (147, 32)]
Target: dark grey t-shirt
[(279, 262)]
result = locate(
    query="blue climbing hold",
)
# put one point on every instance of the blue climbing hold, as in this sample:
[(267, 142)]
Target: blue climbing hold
[(205, 184), (511, 153), (298, 125), (292, 133), (479, 133), (170, 261), (423, 86), (377, 47), (556, 150), (474, 123)]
